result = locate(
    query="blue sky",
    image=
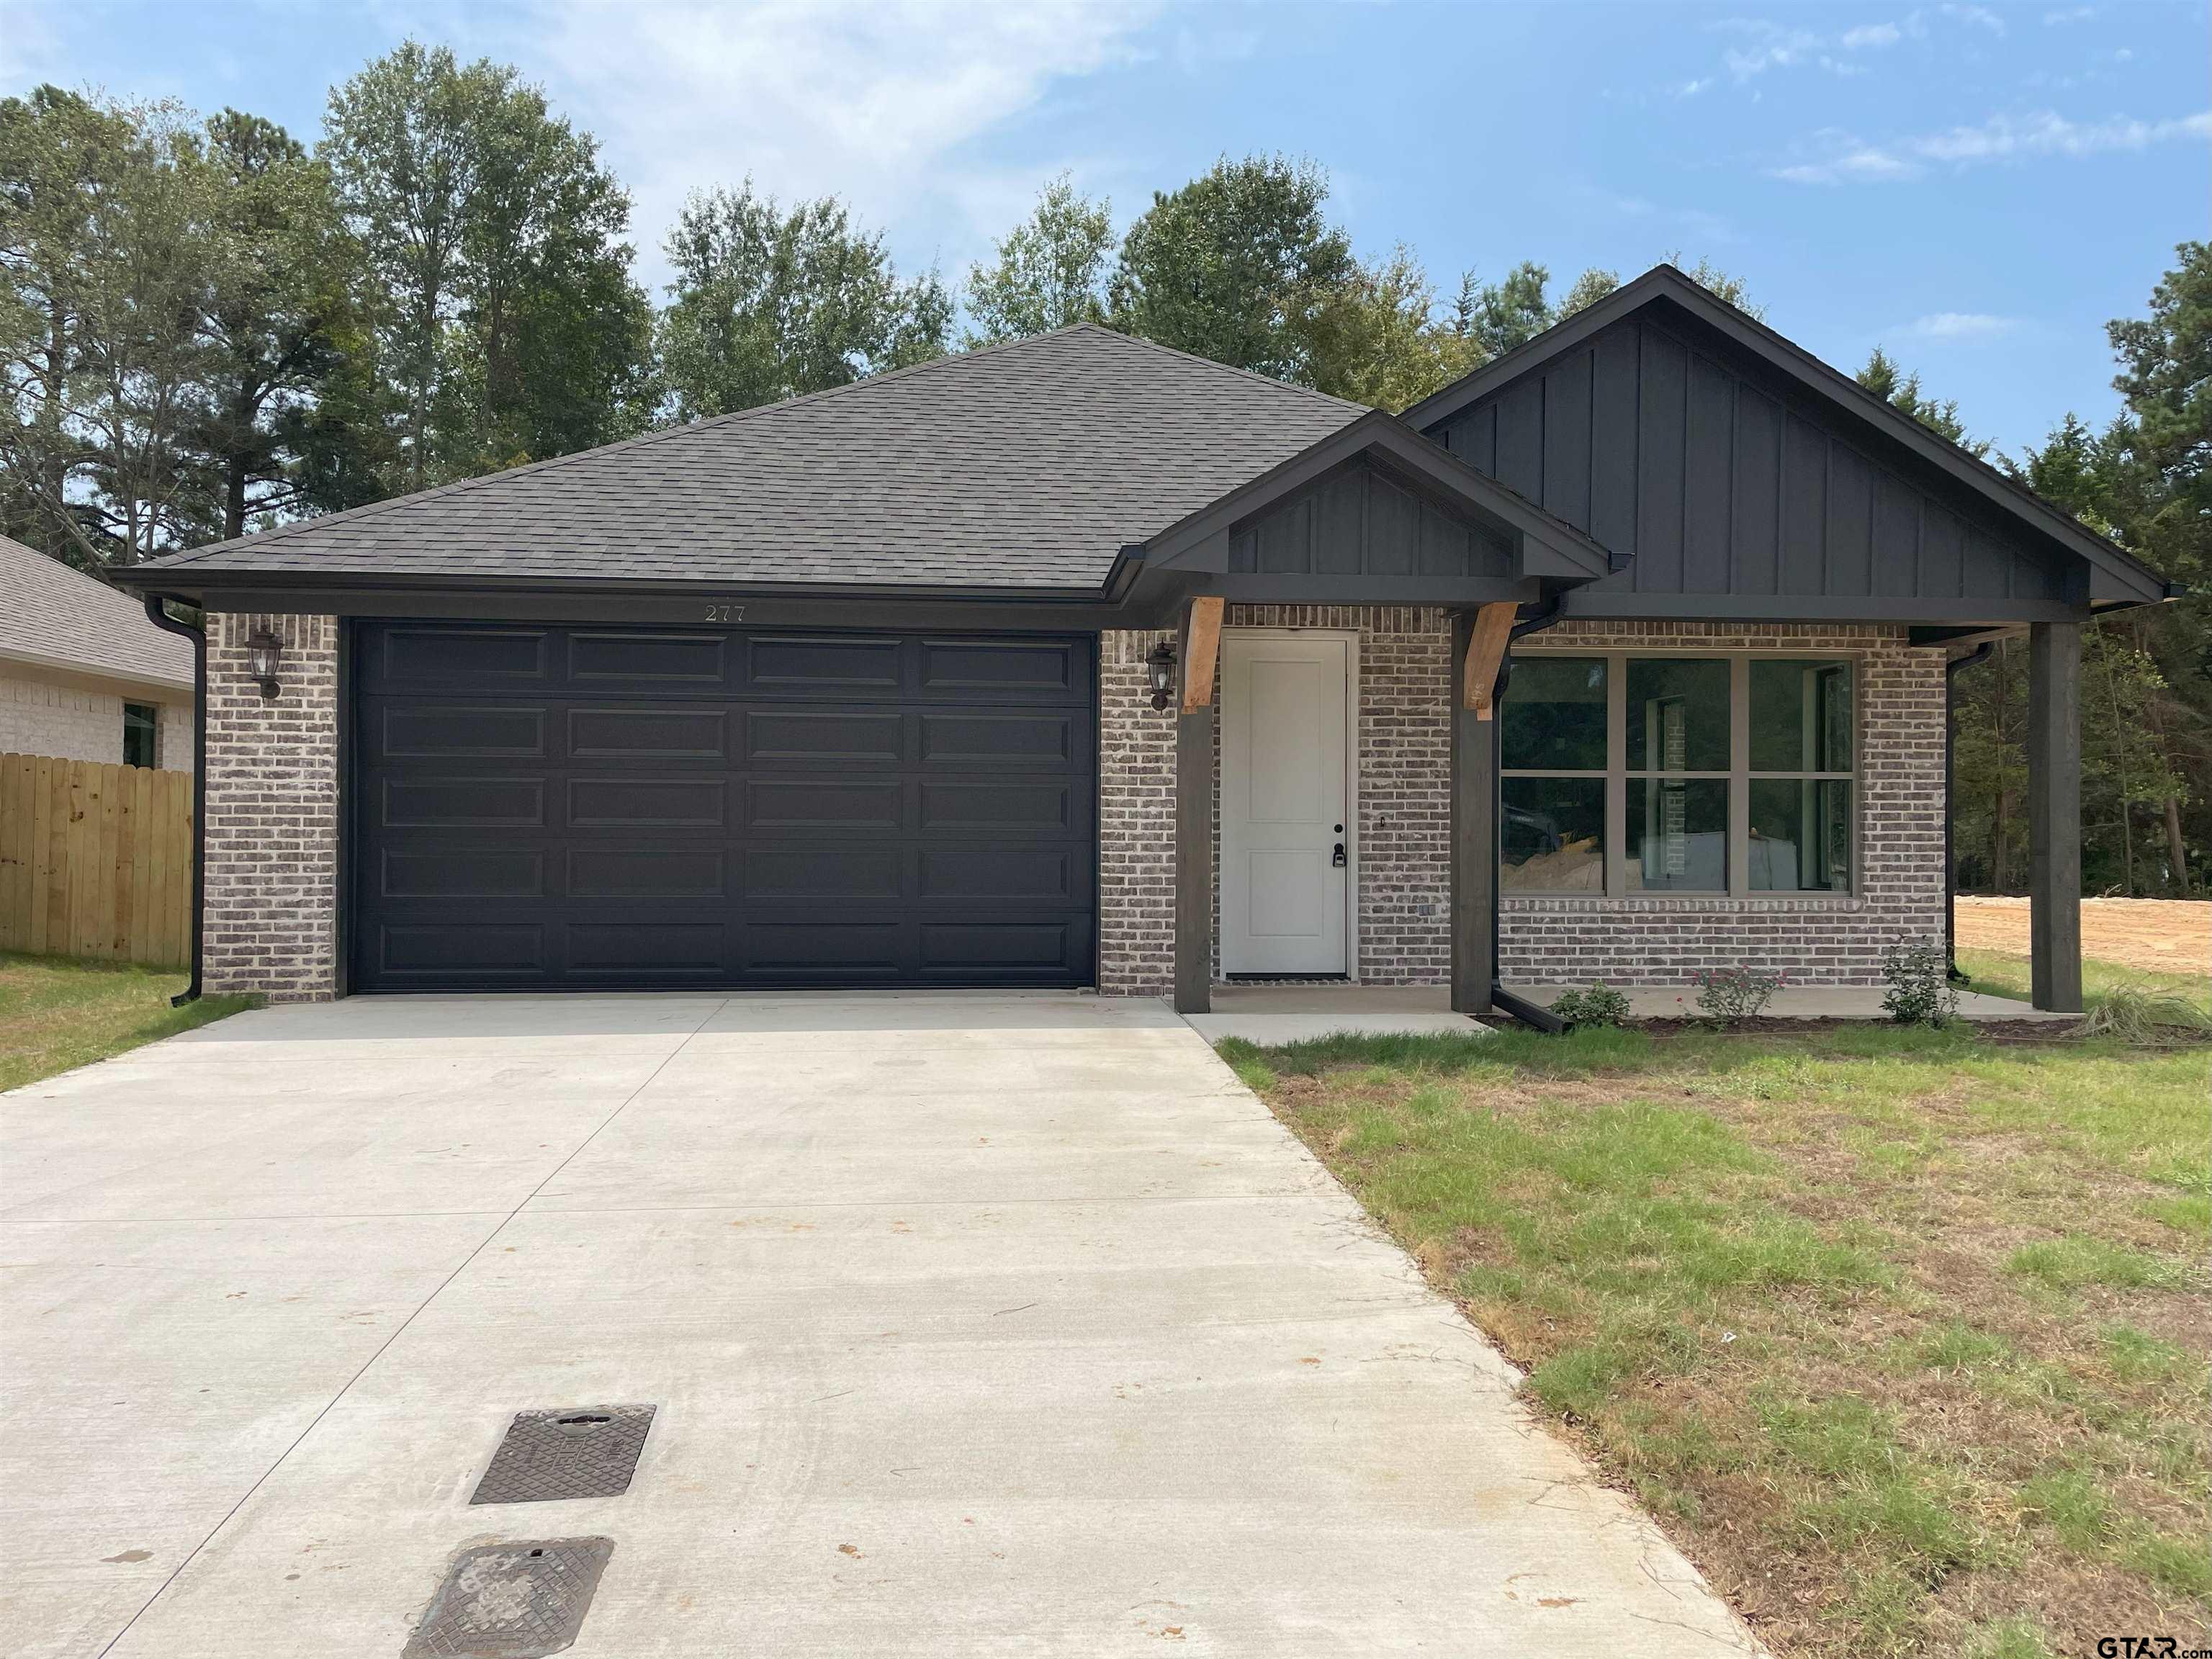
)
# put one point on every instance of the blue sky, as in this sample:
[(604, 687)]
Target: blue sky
[(1980, 187)]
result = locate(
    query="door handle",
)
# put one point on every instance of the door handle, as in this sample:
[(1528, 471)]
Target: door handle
[(1336, 859)]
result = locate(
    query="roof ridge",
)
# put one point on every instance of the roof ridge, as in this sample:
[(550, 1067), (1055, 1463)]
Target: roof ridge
[(731, 417), (1209, 362)]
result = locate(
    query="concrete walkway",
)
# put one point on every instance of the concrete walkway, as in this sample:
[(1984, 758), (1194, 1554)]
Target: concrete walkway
[(1006, 1325)]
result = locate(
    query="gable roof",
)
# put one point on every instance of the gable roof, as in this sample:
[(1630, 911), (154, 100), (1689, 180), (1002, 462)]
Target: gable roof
[(1025, 466), (1549, 546), (1666, 284), (57, 617)]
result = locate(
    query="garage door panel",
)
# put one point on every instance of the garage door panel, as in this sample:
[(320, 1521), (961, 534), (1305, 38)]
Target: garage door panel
[(835, 665), (821, 805), (1026, 742), (447, 803), (807, 737), (601, 806), (652, 950), (645, 662), (648, 734), (466, 872), (647, 873), (827, 875), (1024, 875), (462, 732), (1015, 670), (629, 803), (446, 950), (418, 656)]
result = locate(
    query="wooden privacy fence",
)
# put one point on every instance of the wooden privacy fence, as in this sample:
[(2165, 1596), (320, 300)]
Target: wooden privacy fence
[(96, 862)]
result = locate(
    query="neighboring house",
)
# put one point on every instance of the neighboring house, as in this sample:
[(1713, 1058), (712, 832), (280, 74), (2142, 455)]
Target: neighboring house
[(858, 690), (83, 675)]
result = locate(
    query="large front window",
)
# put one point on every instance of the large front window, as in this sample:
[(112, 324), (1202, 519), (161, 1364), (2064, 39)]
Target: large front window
[(1676, 774)]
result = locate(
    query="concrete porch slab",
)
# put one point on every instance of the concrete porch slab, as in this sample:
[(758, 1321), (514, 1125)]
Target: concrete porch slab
[(1271, 1015), (1800, 1002)]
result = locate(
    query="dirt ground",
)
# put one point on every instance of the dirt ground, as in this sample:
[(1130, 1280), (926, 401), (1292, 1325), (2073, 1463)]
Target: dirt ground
[(2167, 936)]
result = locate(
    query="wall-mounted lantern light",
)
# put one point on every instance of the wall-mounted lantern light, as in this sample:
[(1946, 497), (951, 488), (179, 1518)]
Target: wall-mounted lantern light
[(264, 651), (1160, 669)]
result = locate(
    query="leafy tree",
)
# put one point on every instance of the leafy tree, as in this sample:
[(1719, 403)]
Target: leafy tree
[(278, 315), (104, 272), (1890, 383), (1493, 318), (768, 305), (1237, 265), (1719, 283), (1049, 272), (1374, 337), (508, 327), (1589, 288)]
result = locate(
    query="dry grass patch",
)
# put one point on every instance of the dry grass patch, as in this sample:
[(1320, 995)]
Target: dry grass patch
[(55, 1014), (1902, 1334)]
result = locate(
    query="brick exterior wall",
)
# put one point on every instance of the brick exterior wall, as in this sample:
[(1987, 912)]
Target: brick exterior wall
[(1404, 750), (1405, 816), (272, 813), (1817, 938), (39, 717), (1136, 823)]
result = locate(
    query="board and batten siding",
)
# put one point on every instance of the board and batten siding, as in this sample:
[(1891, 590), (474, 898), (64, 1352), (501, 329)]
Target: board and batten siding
[(1718, 483), (1359, 521)]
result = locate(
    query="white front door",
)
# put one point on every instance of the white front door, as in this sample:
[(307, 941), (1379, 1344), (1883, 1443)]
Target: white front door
[(1286, 849)]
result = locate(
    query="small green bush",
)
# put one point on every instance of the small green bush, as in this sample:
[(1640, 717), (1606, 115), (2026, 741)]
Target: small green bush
[(2136, 1013), (1918, 975), (1728, 996), (1601, 1004)]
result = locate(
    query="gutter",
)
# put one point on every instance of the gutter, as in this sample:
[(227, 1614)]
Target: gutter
[(1979, 653), (168, 625), (1528, 1013)]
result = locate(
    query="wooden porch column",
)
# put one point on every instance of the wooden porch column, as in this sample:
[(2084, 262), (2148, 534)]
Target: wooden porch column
[(2054, 815), (1194, 923), (1477, 645)]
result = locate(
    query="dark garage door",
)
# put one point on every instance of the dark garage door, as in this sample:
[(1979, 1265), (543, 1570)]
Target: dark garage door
[(574, 807)]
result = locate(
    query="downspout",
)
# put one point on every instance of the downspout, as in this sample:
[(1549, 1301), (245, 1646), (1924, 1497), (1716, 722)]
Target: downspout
[(168, 625), (1527, 1012), (1979, 653)]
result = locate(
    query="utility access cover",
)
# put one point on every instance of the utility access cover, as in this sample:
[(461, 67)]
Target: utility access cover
[(512, 1600), (589, 1451)]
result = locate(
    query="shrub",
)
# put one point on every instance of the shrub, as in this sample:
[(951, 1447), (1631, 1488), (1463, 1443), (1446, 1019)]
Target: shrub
[(1728, 996), (1920, 991), (2136, 1013), (1601, 1004)]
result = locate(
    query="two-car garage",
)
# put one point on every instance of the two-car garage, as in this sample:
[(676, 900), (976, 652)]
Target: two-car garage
[(541, 807)]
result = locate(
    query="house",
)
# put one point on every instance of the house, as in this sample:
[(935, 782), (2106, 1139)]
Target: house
[(83, 675), (1079, 661)]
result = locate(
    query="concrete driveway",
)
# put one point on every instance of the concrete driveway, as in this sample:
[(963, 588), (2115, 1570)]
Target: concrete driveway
[(976, 1324)]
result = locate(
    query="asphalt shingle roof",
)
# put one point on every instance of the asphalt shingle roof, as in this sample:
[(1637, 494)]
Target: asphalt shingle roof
[(1024, 465), (53, 616)]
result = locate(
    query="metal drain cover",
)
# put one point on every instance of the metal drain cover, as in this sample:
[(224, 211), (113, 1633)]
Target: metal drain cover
[(587, 1451), (512, 1600)]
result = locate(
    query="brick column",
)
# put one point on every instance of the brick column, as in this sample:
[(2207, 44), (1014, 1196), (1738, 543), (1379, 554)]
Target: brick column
[(272, 813)]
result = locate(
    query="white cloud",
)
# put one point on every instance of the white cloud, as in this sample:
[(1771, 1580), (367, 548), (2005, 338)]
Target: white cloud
[(1959, 326), (1845, 160), (1979, 16), (876, 104), (1872, 35)]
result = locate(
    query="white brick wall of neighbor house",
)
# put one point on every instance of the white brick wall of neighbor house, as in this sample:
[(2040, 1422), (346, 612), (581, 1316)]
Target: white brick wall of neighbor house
[(1405, 816), (69, 722), (272, 813)]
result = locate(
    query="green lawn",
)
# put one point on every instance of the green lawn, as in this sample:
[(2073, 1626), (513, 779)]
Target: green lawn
[(1998, 975), (55, 1014), (1901, 1333)]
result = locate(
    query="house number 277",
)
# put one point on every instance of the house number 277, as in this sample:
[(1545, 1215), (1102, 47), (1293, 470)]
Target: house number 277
[(725, 613)]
